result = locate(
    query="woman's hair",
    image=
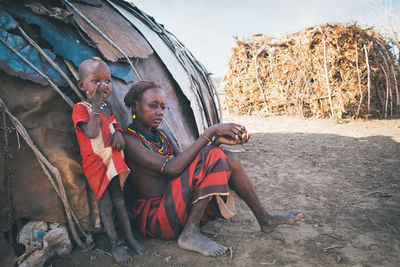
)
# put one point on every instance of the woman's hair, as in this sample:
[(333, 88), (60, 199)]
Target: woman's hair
[(137, 90)]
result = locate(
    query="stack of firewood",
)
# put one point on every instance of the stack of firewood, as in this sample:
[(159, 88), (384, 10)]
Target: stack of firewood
[(337, 71)]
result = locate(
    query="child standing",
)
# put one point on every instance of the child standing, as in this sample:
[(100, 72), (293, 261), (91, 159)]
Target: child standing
[(101, 144)]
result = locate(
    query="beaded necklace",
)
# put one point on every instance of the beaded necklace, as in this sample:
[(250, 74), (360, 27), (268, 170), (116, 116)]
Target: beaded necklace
[(103, 105), (156, 142)]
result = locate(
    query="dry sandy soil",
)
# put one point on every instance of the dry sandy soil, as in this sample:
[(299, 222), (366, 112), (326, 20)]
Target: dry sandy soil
[(344, 177)]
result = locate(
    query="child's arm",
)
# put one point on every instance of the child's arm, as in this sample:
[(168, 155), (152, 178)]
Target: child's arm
[(92, 127), (117, 141)]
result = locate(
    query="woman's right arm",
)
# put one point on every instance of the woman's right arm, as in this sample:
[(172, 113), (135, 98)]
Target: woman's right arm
[(138, 153)]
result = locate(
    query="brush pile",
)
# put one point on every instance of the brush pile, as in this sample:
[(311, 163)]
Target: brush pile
[(328, 71)]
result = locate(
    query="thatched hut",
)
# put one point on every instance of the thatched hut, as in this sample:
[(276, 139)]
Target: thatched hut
[(41, 45), (328, 71)]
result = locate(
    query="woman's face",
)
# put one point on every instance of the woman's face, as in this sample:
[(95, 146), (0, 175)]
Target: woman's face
[(150, 109)]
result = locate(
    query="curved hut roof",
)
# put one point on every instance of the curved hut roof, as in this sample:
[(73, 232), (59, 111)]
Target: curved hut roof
[(42, 44)]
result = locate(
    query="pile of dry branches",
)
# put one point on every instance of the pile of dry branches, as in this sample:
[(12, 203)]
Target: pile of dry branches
[(336, 71)]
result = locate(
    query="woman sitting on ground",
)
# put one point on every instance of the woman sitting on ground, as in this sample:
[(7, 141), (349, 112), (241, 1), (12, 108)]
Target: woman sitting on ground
[(177, 191)]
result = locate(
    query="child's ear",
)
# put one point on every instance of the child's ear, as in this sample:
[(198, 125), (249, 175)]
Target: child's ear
[(80, 85)]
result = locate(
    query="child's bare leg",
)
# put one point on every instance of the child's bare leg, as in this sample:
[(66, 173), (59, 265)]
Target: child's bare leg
[(106, 208), (192, 239), (241, 184), (123, 218)]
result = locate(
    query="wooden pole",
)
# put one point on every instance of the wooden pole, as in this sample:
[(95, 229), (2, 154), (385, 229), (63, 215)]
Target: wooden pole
[(369, 77), (48, 167), (258, 82), (67, 99), (359, 81), (52, 63), (326, 74), (387, 90)]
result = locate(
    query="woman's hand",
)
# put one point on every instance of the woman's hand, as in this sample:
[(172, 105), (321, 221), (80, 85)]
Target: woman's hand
[(232, 130), (117, 141), (241, 138), (229, 129)]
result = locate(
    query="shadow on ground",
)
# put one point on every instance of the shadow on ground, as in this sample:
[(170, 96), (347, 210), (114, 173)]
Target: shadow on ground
[(347, 188)]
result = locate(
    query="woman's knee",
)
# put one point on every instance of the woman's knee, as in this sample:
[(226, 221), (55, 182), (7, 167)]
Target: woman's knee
[(232, 158)]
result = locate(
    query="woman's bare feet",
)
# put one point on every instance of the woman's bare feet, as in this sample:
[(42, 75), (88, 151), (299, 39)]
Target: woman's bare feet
[(290, 217), (120, 255), (193, 240)]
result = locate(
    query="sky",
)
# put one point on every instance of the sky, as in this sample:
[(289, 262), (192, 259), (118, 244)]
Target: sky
[(207, 28)]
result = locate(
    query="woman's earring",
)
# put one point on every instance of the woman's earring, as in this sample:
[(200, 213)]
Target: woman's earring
[(133, 116)]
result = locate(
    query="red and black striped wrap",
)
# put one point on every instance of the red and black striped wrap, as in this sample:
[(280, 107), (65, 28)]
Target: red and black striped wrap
[(208, 175)]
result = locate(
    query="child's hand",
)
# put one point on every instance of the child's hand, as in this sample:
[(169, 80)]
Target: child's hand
[(98, 95), (117, 141)]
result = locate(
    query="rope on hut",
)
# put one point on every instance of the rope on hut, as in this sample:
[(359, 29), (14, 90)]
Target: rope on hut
[(69, 101), (103, 35), (59, 187), (51, 62)]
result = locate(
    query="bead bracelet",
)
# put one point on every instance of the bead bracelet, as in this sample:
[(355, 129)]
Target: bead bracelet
[(165, 163), (205, 137)]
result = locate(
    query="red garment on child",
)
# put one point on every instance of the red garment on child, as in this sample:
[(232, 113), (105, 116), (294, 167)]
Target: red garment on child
[(100, 162)]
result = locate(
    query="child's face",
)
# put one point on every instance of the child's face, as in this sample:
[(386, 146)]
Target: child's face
[(96, 77), (150, 109)]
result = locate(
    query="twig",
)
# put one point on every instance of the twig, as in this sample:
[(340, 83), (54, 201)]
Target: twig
[(309, 219), (397, 88), (359, 82), (391, 227), (230, 254), (387, 90), (332, 247), (374, 192), (103, 252), (394, 76), (369, 77), (335, 237), (268, 263)]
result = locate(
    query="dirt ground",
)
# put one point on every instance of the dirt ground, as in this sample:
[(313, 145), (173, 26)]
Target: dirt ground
[(344, 177)]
